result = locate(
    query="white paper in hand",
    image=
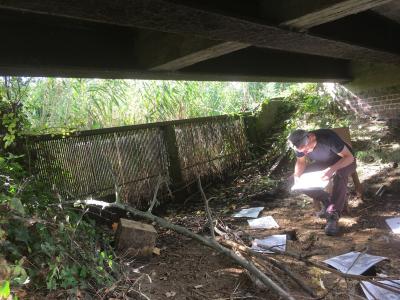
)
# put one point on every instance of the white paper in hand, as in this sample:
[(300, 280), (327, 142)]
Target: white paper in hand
[(310, 181), (267, 222), (394, 224), (274, 242), (375, 292), (354, 263), (249, 212)]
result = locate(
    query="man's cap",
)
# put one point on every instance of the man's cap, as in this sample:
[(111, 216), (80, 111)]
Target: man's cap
[(298, 138)]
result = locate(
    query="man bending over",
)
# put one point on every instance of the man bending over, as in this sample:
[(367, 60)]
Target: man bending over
[(331, 155)]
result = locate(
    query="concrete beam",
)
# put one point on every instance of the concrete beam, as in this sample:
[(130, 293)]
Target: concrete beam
[(158, 51), (327, 11), (169, 17), (200, 55), (332, 12), (273, 65), (391, 11)]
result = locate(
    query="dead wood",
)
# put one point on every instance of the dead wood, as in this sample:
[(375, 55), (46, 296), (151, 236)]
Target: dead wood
[(268, 282), (273, 261), (337, 272), (208, 212), (153, 202)]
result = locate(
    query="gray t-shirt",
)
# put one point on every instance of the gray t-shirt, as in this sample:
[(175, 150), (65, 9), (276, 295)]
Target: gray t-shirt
[(328, 145)]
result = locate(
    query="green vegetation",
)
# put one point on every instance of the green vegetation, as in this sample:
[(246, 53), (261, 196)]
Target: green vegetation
[(375, 154), (57, 105), (45, 245), (306, 106)]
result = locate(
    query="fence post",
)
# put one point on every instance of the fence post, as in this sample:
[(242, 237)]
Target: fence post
[(174, 166)]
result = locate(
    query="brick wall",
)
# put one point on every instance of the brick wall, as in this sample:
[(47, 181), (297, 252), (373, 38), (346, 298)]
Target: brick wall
[(382, 103)]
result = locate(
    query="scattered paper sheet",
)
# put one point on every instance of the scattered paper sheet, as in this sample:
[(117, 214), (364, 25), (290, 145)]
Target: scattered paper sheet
[(275, 242), (374, 292), (394, 224), (354, 263), (310, 181), (267, 222), (249, 212)]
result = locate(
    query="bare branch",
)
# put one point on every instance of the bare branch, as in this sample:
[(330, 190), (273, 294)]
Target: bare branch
[(267, 281), (210, 220), (153, 202)]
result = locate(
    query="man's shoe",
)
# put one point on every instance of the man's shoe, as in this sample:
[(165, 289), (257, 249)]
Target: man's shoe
[(332, 227), (322, 214)]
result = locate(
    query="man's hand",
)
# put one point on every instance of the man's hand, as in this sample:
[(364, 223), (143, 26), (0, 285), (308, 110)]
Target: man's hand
[(327, 173)]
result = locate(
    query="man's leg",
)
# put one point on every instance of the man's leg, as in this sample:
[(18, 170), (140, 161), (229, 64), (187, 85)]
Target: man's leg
[(339, 190), (338, 198), (320, 197)]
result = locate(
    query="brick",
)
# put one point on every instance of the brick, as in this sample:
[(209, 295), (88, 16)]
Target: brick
[(135, 238)]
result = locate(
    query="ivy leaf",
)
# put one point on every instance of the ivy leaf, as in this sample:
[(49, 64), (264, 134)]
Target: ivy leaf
[(16, 204), (5, 289)]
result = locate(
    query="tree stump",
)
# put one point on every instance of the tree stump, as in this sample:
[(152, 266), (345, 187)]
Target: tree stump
[(135, 238)]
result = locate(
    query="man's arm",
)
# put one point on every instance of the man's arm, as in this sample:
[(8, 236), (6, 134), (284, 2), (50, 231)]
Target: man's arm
[(299, 167), (347, 159)]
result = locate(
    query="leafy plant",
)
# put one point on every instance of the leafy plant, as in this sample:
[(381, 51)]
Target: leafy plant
[(45, 246), (4, 289), (13, 91)]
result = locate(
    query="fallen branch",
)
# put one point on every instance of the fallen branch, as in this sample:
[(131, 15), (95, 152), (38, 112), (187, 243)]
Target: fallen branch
[(337, 272), (274, 262), (153, 202), (206, 241), (209, 217)]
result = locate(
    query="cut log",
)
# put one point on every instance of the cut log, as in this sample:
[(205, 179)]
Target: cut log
[(135, 238)]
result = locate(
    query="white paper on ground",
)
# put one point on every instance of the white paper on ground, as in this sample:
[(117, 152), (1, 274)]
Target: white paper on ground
[(394, 224), (354, 263), (276, 242), (375, 292), (310, 180), (267, 222), (249, 212)]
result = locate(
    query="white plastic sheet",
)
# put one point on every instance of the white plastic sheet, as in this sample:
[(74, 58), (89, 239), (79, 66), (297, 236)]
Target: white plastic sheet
[(275, 242), (374, 292), (394, 224), (354, 263), (249, 212), (267, 222), (310, 181)]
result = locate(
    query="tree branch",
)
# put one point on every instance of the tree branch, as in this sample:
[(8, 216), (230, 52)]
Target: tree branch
[(153, 202), (209, 217), (206, 241)]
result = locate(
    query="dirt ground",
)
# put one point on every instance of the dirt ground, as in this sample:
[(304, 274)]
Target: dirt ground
[(186, 269)]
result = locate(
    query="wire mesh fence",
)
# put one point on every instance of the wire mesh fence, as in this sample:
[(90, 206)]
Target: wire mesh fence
[(130, 159), (210, 148)]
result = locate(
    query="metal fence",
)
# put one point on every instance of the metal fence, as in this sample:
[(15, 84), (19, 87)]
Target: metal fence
[(131, 158)]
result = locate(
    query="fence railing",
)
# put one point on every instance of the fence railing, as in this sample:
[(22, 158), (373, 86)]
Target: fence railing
[(132, 158)]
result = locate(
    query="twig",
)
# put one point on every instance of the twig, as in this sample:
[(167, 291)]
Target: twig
[(276, 164), (204, 240), (209, 217), (277, 279), (355, 261), (274, 262), (153, 202), (293, 276), (336, 272), (201, 294)]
